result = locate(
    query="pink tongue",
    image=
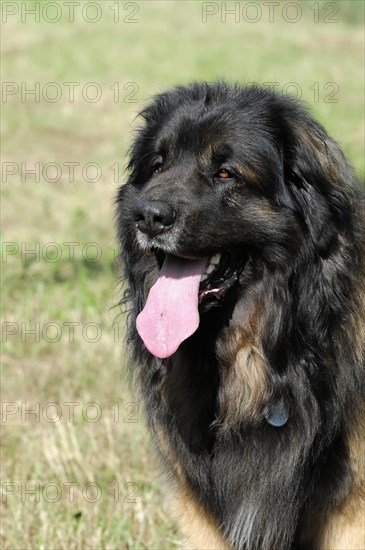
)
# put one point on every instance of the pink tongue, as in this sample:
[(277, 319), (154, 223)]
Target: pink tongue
[(171, 311)]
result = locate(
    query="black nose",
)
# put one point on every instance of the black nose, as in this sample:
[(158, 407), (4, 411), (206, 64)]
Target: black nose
[(153, 217)]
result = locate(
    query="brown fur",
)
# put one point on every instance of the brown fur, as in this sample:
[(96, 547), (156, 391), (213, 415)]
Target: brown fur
[(345, 527), (245, 387), (199, 528)]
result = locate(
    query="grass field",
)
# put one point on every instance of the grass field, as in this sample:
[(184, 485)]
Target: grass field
[(89, 80)]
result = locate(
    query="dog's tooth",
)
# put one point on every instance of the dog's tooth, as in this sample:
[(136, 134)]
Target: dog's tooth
[(210, 269), (215, 259), (203, 277)]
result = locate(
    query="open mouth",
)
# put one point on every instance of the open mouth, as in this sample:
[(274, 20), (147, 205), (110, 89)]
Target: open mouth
[(221, 272), (186, 287)]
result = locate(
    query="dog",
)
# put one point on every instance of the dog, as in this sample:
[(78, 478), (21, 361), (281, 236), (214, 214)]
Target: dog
[(242, 231)]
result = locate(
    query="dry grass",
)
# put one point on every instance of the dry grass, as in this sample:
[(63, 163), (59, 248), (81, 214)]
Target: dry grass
[(170, 44)]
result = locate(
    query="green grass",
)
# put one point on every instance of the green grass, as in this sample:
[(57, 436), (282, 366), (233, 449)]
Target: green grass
[(169, 45)]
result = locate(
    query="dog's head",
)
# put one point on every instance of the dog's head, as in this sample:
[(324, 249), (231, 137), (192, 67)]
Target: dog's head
[(224, 177)]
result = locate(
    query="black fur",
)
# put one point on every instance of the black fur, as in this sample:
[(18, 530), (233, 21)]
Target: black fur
[(292, 217)]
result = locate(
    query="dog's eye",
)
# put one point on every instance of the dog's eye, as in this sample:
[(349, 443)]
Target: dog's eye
[(158, 168), (224, 174)]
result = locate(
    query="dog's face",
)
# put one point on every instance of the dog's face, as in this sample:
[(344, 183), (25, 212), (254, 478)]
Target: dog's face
[(225, 176), (210, 183)]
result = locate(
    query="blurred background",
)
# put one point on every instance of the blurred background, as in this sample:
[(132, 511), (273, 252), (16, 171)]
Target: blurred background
[(78, 470)]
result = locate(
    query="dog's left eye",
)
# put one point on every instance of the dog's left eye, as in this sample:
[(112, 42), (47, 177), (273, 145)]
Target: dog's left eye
[(224, 174), (158, 168)]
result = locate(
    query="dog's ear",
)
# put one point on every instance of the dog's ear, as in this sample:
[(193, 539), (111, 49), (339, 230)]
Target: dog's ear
[(321, 183)]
